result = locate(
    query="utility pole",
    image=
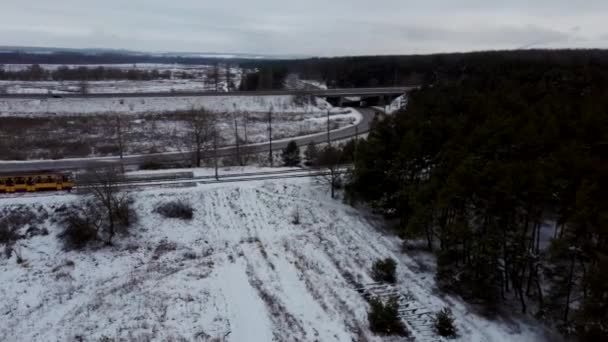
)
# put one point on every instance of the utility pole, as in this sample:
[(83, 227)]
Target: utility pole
[(246, 118), (120, 142), (236, 137), (328, 136), (356, 144), (270, 136), (215, 152)]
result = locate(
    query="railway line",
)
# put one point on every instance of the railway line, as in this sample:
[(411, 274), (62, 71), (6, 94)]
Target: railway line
[(228, 178), (169, 181)]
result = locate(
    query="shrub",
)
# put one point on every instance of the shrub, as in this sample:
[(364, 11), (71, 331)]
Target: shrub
[(91, 221), (176, 209), (151, 164), (444, 323), (295, 216), (311, 154), (15, 219), (81, 226), (291, 154), (125, 214), (384, 270), (8, 233), (384, 318)]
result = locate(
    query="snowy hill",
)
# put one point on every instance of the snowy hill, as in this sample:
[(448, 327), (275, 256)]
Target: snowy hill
[(241, 270)]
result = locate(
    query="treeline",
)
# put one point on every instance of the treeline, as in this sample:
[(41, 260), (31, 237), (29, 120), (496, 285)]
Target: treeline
[(37, 73), (60, 57), (502, 170), (372, 71), (265, 78)]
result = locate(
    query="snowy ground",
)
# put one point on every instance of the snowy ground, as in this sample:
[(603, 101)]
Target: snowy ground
[(94, 87), (241, 270), (293, 81), (397, 104), (192, 68), (183, 78), (72, 136), (137, 105)]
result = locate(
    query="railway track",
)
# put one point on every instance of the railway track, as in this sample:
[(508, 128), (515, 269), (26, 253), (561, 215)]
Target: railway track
[(194, 181), (230, 178)]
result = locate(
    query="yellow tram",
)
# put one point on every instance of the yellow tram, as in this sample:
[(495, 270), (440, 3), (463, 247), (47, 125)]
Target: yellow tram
[(32, 182)]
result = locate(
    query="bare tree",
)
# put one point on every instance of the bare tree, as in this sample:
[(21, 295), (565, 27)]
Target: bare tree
[(113, 204), (217, 177), (228, 75), (245, 121), (120, 139), (83, 87), (330, 158), (215, 76), (201, 124)]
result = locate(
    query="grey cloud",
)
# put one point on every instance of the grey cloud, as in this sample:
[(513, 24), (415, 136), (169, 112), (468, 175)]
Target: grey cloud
[(318, 27)]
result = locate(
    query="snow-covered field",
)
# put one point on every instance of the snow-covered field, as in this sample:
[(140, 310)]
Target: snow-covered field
[(124, 66), (183, 78), (241, 270), (76, 136), (135, 105), (94, 87)]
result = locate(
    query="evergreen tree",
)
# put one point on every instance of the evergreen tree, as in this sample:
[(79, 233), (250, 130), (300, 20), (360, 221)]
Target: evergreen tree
[(291, 154), (478, 167), (384, 318), (444, 323), (311, 154)]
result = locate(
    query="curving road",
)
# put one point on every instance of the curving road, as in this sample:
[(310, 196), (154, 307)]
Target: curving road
[(176, 157), (314, 92)]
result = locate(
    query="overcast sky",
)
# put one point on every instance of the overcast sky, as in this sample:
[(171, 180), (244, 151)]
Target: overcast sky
[(306, 27)]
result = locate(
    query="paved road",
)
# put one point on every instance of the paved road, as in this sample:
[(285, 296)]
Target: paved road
[(316, 92), (84, 163)]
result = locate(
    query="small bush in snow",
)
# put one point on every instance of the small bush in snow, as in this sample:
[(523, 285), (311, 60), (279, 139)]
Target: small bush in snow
[(384, 318), (81, 226), (444, 323), (295, 216), (151, 164), (291, 154), (91, 220), (8, 232), (311, 154), (176, 209), (384, 270)]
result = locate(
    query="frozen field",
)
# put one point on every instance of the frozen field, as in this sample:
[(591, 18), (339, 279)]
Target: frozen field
[(183, 78), (241, 270), (66, 87), (125, 66), (93, 135), (138, 105)]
